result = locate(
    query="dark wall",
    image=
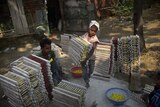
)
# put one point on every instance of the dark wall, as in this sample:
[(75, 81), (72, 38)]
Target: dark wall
[(54, 14)]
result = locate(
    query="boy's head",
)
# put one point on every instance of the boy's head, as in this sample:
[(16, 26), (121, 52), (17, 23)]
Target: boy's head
[(93, 28), (45, 45)]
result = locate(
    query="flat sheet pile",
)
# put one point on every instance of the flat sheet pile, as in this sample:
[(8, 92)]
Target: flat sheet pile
[(103, 62), (32, 82), (68, 94), (128, 54), (46, 71), (65, 40), (78, 49), (16, 89)]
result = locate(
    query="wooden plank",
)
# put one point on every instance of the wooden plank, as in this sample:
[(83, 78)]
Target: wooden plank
[(18, 16), (22, 16)]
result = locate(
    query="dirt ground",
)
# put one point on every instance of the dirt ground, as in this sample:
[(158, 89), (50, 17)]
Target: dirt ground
[(13, 48)]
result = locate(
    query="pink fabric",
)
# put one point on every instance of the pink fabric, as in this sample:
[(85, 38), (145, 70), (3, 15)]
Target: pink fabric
[(90, 39)]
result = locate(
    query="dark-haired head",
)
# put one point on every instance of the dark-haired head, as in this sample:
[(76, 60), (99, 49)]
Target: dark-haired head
[(45, 45), (44, 42)]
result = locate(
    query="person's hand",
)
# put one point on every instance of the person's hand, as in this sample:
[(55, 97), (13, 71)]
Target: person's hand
[(83, 62)]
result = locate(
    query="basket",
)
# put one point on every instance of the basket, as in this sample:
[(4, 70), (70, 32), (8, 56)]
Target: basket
[(117, 96), (76, 72)]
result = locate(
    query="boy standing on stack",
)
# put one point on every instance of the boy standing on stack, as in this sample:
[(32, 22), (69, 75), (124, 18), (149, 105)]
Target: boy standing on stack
[(88, 64)]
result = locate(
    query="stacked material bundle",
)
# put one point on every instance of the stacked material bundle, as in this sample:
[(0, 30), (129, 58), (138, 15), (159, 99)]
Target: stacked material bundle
[(29, 73), (36, 81), (47, 74), (124, 50), (135, 53), (78, 49), (65, 40), (114, 41), (128, 54), (103, 60), (15, 87), (68, 94)]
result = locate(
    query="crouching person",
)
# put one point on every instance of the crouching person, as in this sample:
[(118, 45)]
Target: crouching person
[(48, 54)]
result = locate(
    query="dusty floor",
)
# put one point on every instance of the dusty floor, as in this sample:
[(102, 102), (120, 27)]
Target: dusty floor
[(13, 48)]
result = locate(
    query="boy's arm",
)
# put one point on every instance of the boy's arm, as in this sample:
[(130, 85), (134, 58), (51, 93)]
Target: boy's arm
[(90, 52)]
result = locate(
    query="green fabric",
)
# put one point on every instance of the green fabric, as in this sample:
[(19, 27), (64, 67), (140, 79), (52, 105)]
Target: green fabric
[(50, 55)]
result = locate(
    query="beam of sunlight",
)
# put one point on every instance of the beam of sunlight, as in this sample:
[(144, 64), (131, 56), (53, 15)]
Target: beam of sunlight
[(152, 25), (28, 45), (25, 48), (128, 29), (22, 49), (113, 34)]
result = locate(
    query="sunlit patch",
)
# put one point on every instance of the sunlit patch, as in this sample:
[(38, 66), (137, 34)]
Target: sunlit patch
[(152, 25), (148, 45), (129, 29), (113, 34), (28, 45), (22, 49)]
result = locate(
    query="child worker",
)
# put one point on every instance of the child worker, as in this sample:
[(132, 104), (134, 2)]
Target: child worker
[(48, 54), (89, 62)]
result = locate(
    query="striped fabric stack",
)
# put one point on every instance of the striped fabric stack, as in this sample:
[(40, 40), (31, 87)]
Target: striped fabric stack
[(103, 60), (128, 54), (32, 70), (46, 71), (78, 49), (68, 94), (17, 90), (65, 40)]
